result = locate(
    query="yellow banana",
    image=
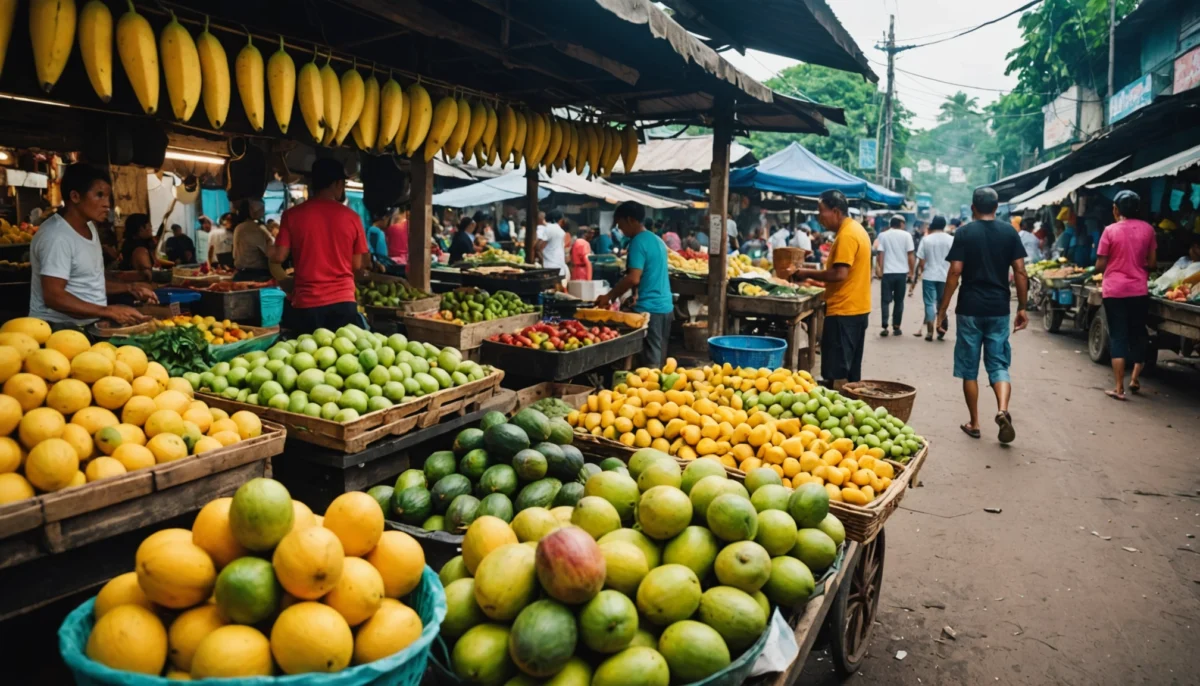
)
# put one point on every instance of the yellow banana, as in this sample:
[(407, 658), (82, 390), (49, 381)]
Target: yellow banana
[(556, 136), (594, 148), (405, 118), (629, 148), (311, 94), (420, 109), (519, 141), (489, 129), (606, 146), (568, 136), (534, 130), (95, 44), (493, 156), (391, 112), (572, 146), (8, 15), (475, 131), (214, 77), (248, 68), (543, 152), (543, 142), (581, 149), (507, 124), (366, 131), (615, 153), (445, 116), (139, 57), (281, 84), (462, 126), (52, 31), (331, 91), (480, 155), (181, 69), (353, 94)]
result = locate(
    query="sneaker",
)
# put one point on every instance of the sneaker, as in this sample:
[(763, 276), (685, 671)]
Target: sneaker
[(884, 333)]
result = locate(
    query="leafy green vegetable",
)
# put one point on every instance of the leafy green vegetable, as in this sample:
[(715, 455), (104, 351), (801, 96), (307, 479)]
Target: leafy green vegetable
[(552, 407), (179, 349)]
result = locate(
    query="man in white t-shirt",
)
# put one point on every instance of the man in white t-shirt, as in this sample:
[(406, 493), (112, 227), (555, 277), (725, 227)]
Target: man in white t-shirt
[(895, 265), (220, 242), (801, 239), (551, 243), (933, 267), (68, 288), (778, 239)]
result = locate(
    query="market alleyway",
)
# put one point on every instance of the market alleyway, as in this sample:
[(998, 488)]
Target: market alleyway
[(1040, 593)]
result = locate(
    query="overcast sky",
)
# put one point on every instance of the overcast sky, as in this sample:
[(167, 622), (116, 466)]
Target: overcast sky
[(976, 59)]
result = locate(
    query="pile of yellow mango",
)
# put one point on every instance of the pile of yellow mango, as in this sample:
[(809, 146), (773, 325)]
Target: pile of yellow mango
[(697, 414)]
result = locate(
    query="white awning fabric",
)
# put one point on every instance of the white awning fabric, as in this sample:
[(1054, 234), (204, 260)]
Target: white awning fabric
[(1041, 186), (1169, 166), (1066, 187)]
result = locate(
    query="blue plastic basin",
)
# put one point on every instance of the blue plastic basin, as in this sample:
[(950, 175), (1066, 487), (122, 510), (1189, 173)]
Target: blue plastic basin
[(747, 351)]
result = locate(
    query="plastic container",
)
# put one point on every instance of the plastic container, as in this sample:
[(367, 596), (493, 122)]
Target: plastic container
[(170, 296), (271, 306), (747, 351), (405, 668)]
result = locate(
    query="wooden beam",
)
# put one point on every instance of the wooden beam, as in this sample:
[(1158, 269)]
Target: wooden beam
[(372, 39), (531, 213), (718, 210), (420, 223)]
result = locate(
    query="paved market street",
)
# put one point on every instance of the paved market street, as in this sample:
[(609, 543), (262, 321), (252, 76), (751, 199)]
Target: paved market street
[(1040, 593)]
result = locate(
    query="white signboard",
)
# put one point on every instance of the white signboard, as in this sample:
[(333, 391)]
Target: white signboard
[(906, 173), (924, 166), (715, 224), (957, 175), (1061, 119), (941, 168)]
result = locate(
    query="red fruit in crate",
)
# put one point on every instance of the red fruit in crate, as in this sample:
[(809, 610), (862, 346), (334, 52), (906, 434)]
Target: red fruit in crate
[(570, 565)]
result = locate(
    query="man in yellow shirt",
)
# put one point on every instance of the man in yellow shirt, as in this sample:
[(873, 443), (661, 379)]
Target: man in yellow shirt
[(847, 277)]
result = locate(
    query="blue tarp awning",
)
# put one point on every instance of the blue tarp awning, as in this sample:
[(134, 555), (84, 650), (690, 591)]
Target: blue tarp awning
[(505, 187), (796, 171)]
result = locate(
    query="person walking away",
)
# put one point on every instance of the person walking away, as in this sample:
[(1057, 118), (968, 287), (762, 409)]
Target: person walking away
[(551, 243), (933, 267), (463, 242), (895, 266), (220, 242), (647, 272), (847, 278), (252, 245), (327, 245), (980, 258), (1029, 241), (202, 235), (137, 248), (180, 248), (581, 266), (1126, 254), (68, 288), (396, 235)]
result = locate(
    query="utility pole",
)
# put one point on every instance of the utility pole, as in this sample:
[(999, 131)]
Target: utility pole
[(886, 164), (1112, 48)]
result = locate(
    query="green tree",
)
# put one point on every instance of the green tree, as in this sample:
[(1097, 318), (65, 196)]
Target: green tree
[(958, 106), (961, 139)]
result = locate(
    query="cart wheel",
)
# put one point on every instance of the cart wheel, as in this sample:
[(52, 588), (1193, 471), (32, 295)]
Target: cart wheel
[(1151, 364), (1098, 339), (854, 610), (1052, 318)]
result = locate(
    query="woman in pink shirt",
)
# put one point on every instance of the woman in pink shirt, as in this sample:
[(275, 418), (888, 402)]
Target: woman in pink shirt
[(397, 238), (581, 266), (1126, 255)]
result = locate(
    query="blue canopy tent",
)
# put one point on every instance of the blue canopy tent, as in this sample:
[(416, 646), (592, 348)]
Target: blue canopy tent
[(796, 171), (509, 186)]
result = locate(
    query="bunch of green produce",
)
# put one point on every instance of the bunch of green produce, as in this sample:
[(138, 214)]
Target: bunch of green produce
[(553, 407), (470, 305), (181, 350), (339, 376), (387, 293)]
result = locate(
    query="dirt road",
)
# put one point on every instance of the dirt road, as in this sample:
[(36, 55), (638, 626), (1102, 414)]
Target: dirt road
[(1089, 574)]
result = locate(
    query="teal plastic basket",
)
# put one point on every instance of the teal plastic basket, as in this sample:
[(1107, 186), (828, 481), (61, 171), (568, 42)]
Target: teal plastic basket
[(405, 668), (270, 306)]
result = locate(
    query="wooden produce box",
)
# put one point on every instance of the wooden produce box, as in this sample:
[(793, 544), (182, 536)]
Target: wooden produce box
[(236, 306), (769, 306), (73, 517), (410, 307), (552, 365), (355, 436), (427, 328), (572, 394)]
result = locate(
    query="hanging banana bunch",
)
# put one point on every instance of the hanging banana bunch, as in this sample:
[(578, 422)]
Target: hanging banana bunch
[(462, 126), (248, 68), (181, 67), (420, 109), (311, 94), (214, 77), (353, 94), (95, 44), (534, 130), (139, 57), (366, 131), (445, 116), (508, 134), (8, 15), (52, 32), (475, 130), (391, 112), (519, 141), (556, 136), (405, 118), (629, 147), (331, 91), (489, 129), (281, 84)]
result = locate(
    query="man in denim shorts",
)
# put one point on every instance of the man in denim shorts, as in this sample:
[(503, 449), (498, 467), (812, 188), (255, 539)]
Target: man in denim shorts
[(980, 258)]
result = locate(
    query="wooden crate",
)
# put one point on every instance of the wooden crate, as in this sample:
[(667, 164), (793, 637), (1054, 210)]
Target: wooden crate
[(412, 306), (236, 306), (427, 329), (355, 436), (574, 395), (73, 517)]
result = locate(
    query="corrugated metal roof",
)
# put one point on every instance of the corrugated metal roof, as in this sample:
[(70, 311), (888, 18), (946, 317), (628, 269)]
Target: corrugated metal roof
[(687, 153), (1169, 166), (1066, 187)]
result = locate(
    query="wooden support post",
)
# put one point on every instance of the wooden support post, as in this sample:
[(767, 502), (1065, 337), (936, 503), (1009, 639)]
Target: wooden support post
[(531, 213), (718, 211), (791, 213), (420, 223)]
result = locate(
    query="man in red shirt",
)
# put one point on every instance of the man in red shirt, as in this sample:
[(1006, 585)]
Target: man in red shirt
[(327, 244)]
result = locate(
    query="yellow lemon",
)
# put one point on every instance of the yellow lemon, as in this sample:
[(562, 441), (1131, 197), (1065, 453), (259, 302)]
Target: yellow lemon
[(147, 386), (172, 400), (248, 424), (111, 392), (10, 414), (211, 531), (180, 385), (227, 437), (14, 487), (122, 371), (79, 439), (129, 638), (133, 356), (104, 468), (391, 629), (69, 396), (51, 465), (10, 362), (106, 349), (205, 444), (90, 367), (218, 413), (188, 630), (120, 590), (358, 593), (78, 480), (200, 417), (138, 409), (311, 637), (68, 342), (108, 439), (40, 424), (200, 405), (163, 421), (50, 365), (158, 372), (134, 456), (11, 455), (94, 418), (219, 425), (233, 651), (24, 343), (167, 447), (131, 434), (33, 327)]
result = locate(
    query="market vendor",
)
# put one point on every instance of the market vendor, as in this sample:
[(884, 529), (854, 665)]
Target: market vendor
[(68, 287), (327, 245), (647, 272), (138, 246), (251, 244)]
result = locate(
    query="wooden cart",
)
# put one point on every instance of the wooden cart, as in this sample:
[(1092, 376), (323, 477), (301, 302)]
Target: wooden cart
[(796, 314)]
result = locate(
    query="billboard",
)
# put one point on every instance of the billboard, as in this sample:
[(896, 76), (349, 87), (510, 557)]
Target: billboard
[(1187, 71), (1131, 98), (1073, 116), (867, 148)]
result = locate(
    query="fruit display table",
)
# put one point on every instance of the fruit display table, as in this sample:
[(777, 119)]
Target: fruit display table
[(530, 364), (393, 299), (802, 318)]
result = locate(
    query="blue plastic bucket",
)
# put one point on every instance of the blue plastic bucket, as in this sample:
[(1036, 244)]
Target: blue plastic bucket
[(405, 668), (170, 296), (747, 351), (270, 304)]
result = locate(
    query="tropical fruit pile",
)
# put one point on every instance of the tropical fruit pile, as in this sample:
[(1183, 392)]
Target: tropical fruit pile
[(72, 412), (499, 468), (338, 376), (387, 293), (216, 331), (738, 265), (16, 235), (567, 335), (494, 256), (747, 419), (261, 586), (656, 576), (467, 306)]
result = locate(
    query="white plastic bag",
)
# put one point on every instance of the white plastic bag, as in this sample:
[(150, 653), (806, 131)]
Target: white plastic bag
[(781, 649)]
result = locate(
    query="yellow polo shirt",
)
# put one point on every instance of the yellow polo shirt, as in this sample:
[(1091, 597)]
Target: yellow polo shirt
[(851, 247)]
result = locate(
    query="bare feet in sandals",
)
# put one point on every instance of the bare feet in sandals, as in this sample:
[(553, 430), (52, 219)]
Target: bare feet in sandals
[(1007, 433), (969, 430), (1115, 395)]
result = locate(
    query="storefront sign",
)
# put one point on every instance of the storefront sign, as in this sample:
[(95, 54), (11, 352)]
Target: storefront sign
[(867, 148), (1131, 98), (1061, 119), (1187, 71)]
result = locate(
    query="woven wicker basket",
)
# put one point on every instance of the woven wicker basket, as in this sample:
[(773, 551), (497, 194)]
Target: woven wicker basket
[(896, 397)]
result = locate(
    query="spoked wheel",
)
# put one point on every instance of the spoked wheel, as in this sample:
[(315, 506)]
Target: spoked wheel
[(854, 610), (1052, 318), (1098, 339)]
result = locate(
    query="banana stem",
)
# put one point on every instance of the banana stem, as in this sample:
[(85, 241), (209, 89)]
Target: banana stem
[(281, 43), (131, 7), (206, 23)]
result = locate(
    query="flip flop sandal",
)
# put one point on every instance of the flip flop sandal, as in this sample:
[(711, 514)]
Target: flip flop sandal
[(928, 337), (973, 433), (1007, 433), (1114, 395), (1135, 387)]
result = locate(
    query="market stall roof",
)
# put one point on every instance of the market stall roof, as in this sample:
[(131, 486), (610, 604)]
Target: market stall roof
[(512, 185), (450, 171), (797, 171), (509, 186), (1018, 184), (1169, 166), (806, 30), (1067, 186), (1041, 186), (683, 154)]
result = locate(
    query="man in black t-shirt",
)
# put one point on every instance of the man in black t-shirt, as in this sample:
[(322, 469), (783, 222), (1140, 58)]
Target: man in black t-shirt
[(980, 257)]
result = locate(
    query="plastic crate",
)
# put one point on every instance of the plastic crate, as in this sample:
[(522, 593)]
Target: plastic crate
[(271, 306), (747, 351), (171, 296)]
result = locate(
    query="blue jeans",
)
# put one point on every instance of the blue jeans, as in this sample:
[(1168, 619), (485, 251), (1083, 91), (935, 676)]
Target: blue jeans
[(986, 334), (931, 292), (891, 292)]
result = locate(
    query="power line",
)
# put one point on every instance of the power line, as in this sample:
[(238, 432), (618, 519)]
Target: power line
[(973, 29)]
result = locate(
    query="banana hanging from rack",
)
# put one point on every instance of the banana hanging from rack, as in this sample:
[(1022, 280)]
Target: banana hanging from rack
[(534, 131), (52, 32), (480, 155), (95, 44), (8, 15), (366, 131), (139, 57), (405, 118), (391, 112), (353, 94), (181, 69), (555, 144), (615, 154), (595, 149), (475, 130), (507, 125), (214, 77), (462, 126), (582, 151), (331, 93), (518, 151), (420, 117), (544, 146), (568, 141), (629, 147), (311, 94), (489, 129), (281, 85), (445, 116), (248, 69)]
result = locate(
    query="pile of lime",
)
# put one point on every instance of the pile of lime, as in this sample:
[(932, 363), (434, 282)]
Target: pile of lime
[(339, 375)]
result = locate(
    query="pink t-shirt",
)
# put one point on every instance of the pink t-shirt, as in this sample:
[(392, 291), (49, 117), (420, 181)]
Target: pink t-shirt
[(1127, 244), (397, 241)]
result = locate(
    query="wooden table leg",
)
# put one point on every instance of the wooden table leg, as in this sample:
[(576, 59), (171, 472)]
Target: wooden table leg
[(794, 356), (816, 324)]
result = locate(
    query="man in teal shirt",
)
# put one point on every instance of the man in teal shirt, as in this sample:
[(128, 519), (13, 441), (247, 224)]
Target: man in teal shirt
[(646, 259)]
